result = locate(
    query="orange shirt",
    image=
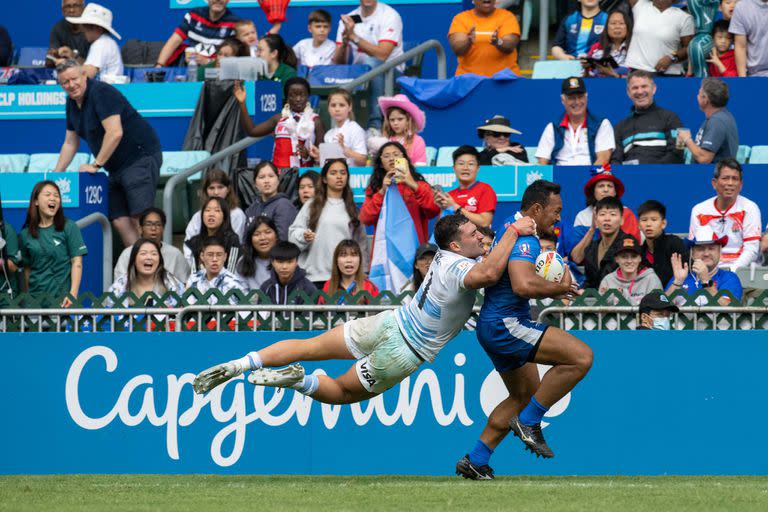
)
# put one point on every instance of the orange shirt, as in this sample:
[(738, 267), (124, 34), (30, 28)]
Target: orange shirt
[(483, 58)]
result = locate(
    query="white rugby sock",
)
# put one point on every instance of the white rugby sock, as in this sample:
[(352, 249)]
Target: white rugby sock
[(307, 386), (251, 361)]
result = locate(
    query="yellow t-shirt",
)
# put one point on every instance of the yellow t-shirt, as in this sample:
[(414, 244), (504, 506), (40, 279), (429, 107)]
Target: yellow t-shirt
[(483, 58)]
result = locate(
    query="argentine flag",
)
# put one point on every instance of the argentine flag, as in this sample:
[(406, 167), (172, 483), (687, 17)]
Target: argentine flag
[(395, 245)]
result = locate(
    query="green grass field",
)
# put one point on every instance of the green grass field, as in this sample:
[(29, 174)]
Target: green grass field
[(272, 493)]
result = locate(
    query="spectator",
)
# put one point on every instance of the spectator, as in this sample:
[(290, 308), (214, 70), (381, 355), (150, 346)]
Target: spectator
[(317, 50), (488, 236), (647, 136), (497, 148), (270, 202), (764, 246), (614, 43), (660, 37), (579, 31), (598, 258), (10, 259), (146, 273), (726, 8), (6, 47), (718, 137), (374, 34), (214, 275), (245, 32), (731, 216), (659, 246), (402, 122), (280, 59), (705, 270), (632, 278), (253, 267), (749, 25), (67, 41), (324, 221), (308, 183), (347, 276), (203, 29), (52, 247), (473, 199), (104, 54), (579, 137), (217, 184), (152, 223), (121, 140), (655, 312), (704, 13), (415, 190), (296, 127), (485, 39), (215, 223), (425, 253), (230, 47), (722, 59), (288, 280), (345, 131)]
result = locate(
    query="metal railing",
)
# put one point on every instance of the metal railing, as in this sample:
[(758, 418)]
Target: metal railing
[(543, 23), (106, 232)]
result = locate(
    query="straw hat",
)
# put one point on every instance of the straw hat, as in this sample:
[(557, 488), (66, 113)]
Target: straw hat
[(95, 14)]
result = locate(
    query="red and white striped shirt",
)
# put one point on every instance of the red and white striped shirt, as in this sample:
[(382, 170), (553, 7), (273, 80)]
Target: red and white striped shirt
[(741, 223)]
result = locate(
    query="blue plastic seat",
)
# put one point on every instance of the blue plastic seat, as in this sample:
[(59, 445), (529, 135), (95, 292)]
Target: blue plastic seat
[(139, 75), (32, 56), (742, 156), (42, 162), (431, 155), (557, 69), (335, 74), (14, 163), (531, 152), (759, 155), (176, 161), (445, 156)]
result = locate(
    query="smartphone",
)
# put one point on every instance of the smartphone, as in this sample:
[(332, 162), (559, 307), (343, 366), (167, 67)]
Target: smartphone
[(437, 188), (356, 18), (401, 163)]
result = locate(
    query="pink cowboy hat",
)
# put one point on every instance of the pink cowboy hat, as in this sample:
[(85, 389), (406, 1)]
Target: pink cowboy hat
[(402, 102)]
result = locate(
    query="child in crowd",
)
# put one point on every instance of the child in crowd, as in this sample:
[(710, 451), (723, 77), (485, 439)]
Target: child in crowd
[(722, 60), (324, 221), (253, 266), (104, 56), (296, 127), (345, 131), (421, 262), (270, 202), (230, 47), (347, 275), (287, 278), (245, 31), (316, 50), (217, 184), (632, 278), (403, 120), (213, 257), (215, 223), (280, 59), (579, 31), (52, 247), (726, 9), (659, 246), (146, 275)]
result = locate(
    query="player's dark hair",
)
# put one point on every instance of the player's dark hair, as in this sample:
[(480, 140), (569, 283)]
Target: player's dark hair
[(549, 237), (466, 149), (319, 16), (609, 203), (447, 229), (284, 251), (149, 211), (538, 192), (652, 205)]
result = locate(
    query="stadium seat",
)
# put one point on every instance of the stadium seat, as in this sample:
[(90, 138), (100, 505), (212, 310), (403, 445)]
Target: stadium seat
[(14, 163), (557, 69), (431, 155), (42, 162), (335, 75), (173, 163), (32, 56), (139, 75), (756, 277), (742, 155), (759, 155), (445, 156), (531, 152)]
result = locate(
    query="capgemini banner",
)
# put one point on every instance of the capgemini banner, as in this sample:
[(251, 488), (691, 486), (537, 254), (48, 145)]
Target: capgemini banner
[(654, 403)]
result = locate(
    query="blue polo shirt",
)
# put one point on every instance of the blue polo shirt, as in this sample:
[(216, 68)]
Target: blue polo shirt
[(724, 279), (100, 102)]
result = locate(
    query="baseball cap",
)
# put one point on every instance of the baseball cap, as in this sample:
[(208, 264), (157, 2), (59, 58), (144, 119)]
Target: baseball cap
[(657, 301), (424, 249), (574, 85), (629, 244)]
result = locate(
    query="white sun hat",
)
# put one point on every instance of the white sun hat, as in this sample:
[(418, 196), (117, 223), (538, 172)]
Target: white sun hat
[(95, 14)]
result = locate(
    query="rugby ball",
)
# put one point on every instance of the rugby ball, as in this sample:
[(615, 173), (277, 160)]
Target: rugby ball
[(550, 266)]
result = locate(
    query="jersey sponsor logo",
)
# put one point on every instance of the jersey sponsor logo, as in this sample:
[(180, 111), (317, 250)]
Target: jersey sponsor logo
[(366, 374)]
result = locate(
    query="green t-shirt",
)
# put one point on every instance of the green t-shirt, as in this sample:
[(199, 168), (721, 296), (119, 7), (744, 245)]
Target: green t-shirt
[(49, 257), (12, 253), (283, 73)]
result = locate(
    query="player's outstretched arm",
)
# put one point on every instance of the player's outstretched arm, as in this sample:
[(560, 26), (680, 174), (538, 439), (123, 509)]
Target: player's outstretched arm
[(527, 283), (488, 271)]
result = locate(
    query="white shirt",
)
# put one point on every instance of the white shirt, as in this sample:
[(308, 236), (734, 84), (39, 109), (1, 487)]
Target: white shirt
[(173, 260), (105, 55), (354, 138), (657, 34), (441, 306), (742, 225), (310, 56), (575, 150), (236, 219), (384, 25)]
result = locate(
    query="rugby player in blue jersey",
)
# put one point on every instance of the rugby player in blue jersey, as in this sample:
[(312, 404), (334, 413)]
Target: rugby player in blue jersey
[(393, 344), (515, 343)]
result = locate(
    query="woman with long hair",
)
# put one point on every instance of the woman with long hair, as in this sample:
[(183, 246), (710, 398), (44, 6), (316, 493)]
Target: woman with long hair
[(52, 247), (146, 274), (280, 58), (324, 221), (348, 276), (10, 259), (215, 222), (253, 268), (417, 194), (308, 183), (271, 202), (614, 42), (218, 184)]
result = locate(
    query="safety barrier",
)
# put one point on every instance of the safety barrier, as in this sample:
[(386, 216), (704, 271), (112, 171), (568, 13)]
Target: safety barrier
[(106, 233)]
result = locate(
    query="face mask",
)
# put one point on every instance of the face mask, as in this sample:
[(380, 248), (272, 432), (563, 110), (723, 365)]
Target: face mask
[(661, 324)]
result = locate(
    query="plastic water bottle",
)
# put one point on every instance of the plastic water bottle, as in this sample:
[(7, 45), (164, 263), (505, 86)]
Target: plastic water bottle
[(192, 71)]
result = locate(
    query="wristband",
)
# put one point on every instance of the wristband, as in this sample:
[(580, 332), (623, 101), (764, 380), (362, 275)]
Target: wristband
[(677, 284), (516, 231)]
